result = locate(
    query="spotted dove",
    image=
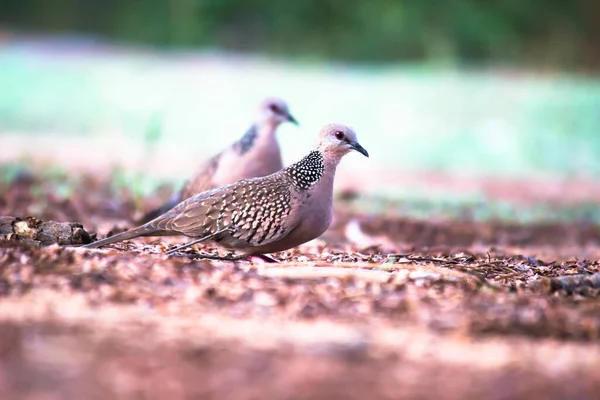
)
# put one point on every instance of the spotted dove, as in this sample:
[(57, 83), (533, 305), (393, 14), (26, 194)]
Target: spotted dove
[(261, 215)]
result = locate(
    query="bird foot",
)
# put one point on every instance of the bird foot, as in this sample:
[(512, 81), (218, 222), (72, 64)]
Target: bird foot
[(263, 259), (228, 257)]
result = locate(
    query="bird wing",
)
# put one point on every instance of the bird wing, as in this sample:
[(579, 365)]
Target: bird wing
[(254, 211), (268, 212), (196, 216)]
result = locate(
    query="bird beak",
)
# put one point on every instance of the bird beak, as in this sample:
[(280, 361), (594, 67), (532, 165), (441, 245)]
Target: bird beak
[(292, 119), (356, 146)]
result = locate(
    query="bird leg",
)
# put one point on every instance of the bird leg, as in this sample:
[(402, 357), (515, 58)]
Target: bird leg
[(212, 235)]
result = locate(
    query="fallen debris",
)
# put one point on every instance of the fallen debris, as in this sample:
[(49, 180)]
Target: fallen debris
[(32, 231), (381, 306)]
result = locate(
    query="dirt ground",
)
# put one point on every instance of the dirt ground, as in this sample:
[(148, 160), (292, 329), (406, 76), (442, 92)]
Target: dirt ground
[(381, 306)]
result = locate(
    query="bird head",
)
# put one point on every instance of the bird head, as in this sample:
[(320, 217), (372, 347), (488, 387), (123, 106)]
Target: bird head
[(338, 140), (275, 111)]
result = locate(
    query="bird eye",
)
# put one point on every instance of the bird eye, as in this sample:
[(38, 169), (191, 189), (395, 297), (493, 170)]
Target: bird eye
[(274, 108), (339, 135)]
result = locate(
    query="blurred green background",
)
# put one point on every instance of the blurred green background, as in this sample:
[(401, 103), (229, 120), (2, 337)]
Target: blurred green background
[(556, 32), (504, 89)]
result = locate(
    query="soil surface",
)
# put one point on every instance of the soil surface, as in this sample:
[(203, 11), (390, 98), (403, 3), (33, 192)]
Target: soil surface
[(381, 306)]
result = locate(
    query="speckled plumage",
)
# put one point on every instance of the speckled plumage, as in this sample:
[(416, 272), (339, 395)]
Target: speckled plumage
[(307, 171), (247, 141), (255, 154), (265, 214)]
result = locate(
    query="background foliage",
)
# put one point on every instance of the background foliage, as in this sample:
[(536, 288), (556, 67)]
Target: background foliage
[(543, 32)]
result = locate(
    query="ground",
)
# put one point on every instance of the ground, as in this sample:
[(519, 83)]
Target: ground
[(381, 306)]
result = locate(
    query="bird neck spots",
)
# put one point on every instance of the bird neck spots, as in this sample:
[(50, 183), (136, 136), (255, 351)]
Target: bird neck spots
[(307, 171), (246, 142)]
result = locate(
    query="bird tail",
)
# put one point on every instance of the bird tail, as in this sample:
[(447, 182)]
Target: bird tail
[(150, 215), (143, 230)]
